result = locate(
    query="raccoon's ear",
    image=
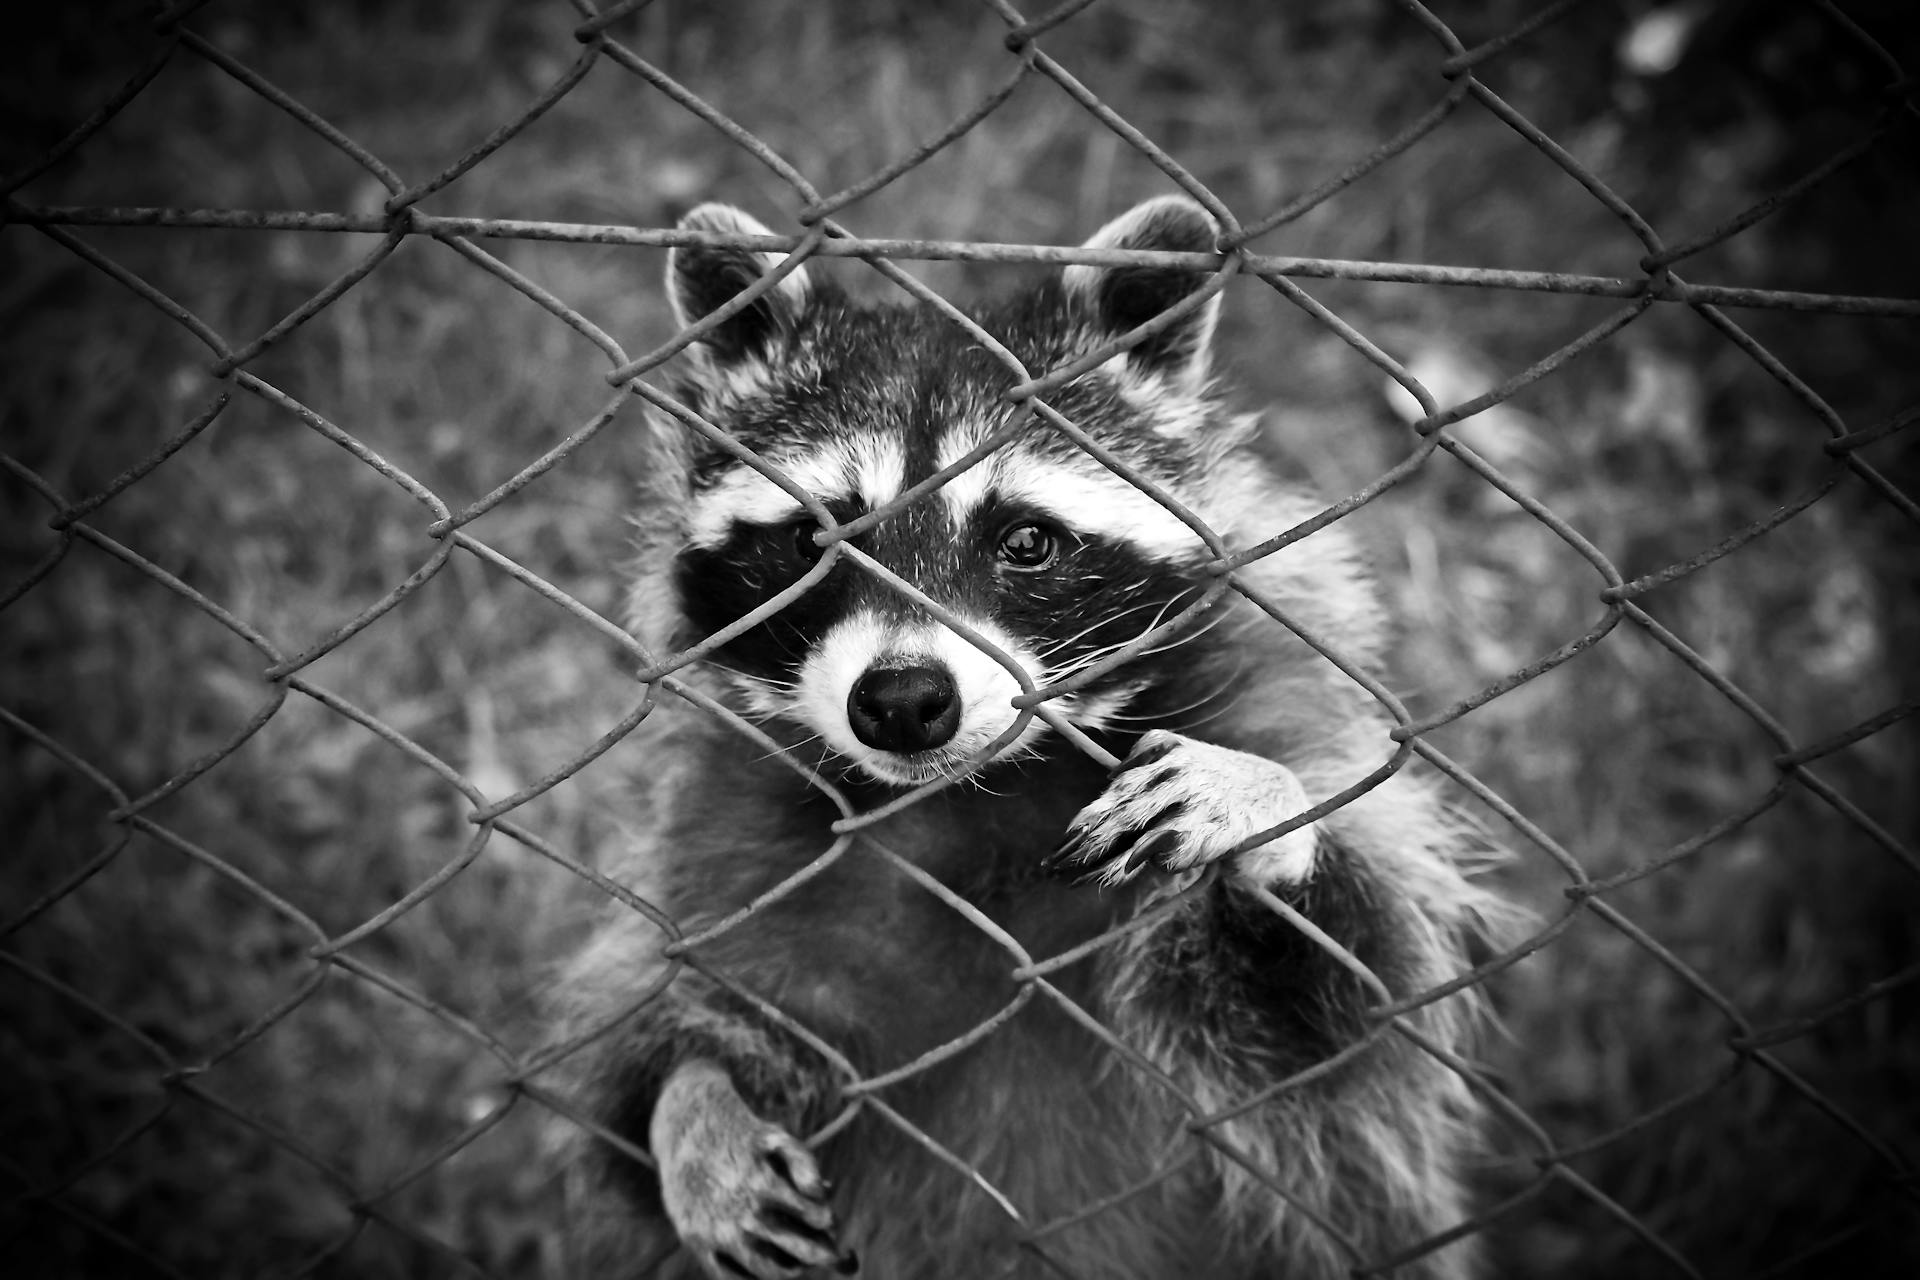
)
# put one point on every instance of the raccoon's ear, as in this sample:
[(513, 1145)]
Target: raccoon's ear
[(1123, 298), (701, 278)]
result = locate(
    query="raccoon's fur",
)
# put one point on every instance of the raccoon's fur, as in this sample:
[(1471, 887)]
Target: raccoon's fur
[(736, 1052)]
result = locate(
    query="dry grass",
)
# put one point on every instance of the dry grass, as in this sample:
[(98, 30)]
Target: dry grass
[(1654, 447)]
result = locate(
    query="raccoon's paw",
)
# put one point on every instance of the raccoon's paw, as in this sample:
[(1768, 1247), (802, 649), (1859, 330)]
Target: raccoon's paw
[(744, 1195), (1178, 804)]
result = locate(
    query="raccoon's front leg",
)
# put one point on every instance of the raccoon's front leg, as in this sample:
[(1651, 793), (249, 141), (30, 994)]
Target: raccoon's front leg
[(742, 1193), (1179, 804)]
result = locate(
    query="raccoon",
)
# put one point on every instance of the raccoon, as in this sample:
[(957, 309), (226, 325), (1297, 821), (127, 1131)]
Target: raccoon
[(809, 1089)]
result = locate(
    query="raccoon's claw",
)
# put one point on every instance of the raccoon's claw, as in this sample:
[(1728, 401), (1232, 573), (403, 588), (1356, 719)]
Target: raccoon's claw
[(765, 1216), (1177, 804), (745, 1196)]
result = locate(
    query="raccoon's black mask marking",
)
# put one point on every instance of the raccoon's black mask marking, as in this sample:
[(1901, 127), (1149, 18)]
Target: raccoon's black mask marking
[(1092, 595)]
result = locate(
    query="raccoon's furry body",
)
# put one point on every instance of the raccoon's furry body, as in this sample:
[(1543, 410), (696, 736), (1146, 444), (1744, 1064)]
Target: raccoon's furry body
[(1227, 723)]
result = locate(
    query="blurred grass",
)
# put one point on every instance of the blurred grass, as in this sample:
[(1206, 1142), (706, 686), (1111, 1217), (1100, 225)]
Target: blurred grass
[(1654, 447)]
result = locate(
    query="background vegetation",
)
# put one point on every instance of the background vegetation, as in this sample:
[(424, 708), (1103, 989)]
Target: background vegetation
[(1655, 446)]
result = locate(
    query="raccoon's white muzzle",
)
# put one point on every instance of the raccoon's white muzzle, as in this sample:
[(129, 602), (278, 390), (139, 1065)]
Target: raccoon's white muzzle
[(908, 703)]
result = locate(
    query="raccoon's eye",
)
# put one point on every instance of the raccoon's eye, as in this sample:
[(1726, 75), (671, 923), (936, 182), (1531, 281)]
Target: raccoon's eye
[(1029, 545), (803, 543)]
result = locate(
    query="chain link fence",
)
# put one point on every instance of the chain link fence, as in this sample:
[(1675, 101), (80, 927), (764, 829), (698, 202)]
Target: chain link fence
[(263, 882)]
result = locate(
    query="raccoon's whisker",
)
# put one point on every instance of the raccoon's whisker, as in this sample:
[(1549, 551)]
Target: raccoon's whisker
[(760, 713), (754, 678), (1108, 621), (1202, 700), (976, 781), (1195, 722), (1178, 602), (1101, 651), (1187, 637), (1174, 713), (1097, 716), (790, 750), (1179, 638), (1085, 660)]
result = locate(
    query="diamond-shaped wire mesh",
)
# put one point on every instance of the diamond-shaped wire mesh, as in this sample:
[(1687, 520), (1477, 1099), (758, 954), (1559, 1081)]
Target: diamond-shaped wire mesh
[(318, 729)]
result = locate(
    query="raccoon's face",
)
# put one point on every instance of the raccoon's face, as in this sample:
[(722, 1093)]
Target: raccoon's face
[(1042, 559)]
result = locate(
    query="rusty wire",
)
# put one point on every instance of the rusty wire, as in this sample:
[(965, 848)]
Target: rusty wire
[(283, 672)]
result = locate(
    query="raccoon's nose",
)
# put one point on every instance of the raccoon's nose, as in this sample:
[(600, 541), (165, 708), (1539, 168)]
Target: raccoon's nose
[(904, 708)]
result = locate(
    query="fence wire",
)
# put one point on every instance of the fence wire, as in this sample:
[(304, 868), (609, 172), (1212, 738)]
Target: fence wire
[(286, 673)]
